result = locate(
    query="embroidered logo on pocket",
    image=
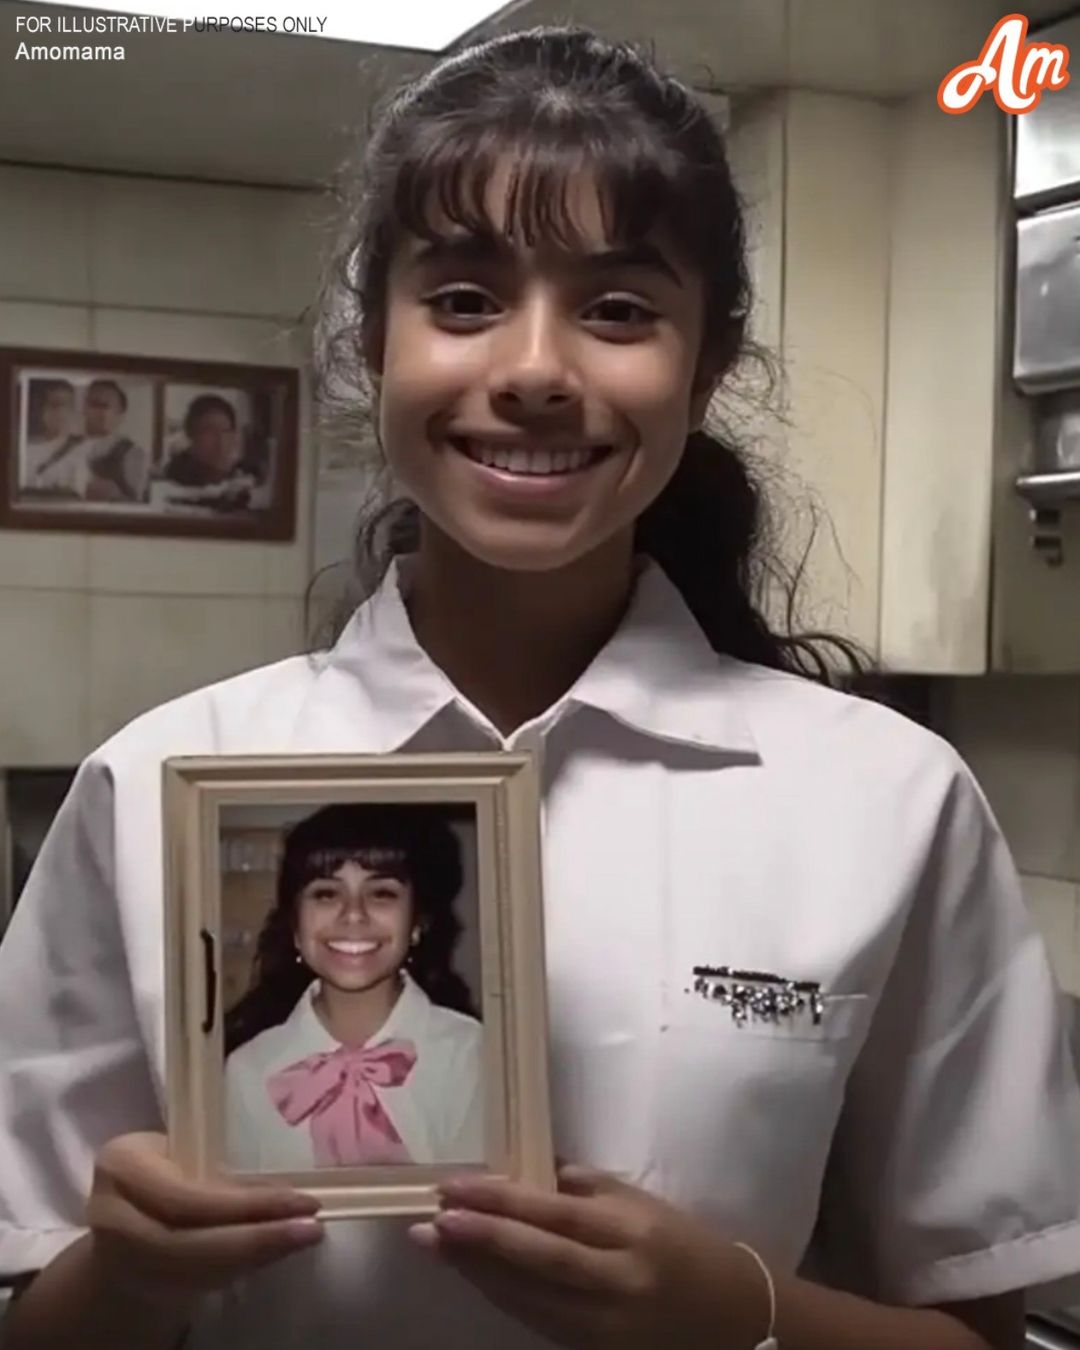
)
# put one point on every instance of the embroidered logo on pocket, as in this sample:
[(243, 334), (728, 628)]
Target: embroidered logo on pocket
[(759, 996)]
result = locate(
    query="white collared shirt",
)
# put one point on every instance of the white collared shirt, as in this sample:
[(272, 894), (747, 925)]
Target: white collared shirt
[(437, 1111), (919, 1143), (46, 469)]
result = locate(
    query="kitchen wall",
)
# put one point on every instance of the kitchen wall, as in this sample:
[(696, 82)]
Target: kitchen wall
[(99, 627), (1021, 736)]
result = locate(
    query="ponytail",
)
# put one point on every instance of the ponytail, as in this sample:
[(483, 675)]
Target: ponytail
[(705, 531)]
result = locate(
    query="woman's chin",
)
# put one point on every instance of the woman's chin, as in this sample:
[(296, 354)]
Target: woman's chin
[(518, 546)]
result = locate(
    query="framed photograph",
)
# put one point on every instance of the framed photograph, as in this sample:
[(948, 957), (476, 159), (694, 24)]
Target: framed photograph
[(355, 990), (142, 445)]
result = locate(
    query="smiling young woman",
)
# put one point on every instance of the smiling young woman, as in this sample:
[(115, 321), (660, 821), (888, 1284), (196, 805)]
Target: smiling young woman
[(805, 1047), (355, 998)]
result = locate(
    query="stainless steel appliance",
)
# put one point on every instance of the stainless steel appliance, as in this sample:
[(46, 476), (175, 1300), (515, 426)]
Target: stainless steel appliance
[(1046, 354)]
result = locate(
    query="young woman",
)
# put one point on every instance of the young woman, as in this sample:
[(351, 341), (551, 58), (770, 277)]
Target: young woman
[(214, 448), (357, 1043), (866, 1138)]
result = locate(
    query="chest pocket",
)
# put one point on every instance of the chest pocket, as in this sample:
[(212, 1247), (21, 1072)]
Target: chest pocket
[(759, 1007), (747, 1110)]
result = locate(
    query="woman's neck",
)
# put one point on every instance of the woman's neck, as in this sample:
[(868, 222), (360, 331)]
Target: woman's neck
[(513, 642), (352, 1017)]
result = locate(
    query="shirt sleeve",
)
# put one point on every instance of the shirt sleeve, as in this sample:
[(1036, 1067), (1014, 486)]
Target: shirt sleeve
[(955, 1171), (73, 1068)]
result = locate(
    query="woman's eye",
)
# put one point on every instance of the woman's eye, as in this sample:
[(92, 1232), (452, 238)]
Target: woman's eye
[(324, 893), (621, 311), (385, 893), (465, 303)]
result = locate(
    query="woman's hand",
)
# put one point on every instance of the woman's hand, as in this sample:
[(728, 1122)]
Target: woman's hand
[(600, 1264), (161, 1237)]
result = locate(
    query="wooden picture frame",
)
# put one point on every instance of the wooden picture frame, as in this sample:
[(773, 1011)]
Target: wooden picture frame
[(147, 445), (207, 800)]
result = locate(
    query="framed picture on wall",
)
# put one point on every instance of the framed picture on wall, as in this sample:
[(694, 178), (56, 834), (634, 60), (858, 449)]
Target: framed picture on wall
[(142, 445), (355, 985)]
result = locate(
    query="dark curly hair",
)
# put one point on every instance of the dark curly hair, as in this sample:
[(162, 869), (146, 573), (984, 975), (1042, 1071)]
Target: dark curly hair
[(410, 841), (203, 404), (554, 101)]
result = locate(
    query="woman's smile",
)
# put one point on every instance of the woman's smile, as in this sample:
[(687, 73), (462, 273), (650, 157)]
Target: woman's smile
[(529, 469), (351, 948), (529, 459)]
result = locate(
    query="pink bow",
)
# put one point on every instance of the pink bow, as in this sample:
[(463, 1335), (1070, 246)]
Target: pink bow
[(335, 1091)]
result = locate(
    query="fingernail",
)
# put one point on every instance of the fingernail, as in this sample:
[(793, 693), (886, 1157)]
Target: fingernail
[(425, 1235), (304, 1232), (300, 1204), (451, 1187), (454, 1221)]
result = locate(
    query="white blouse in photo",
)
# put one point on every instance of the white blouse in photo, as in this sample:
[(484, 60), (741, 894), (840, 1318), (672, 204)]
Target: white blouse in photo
[(916, 1140), (438, 1112)]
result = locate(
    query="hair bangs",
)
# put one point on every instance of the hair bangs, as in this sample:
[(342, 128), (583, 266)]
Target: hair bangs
[(388, 860), (527, 186)]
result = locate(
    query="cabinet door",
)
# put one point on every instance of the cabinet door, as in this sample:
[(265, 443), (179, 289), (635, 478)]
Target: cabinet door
[(944, 376), (813, 170)]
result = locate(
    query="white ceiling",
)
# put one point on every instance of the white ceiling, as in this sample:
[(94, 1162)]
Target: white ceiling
[(265, 108)]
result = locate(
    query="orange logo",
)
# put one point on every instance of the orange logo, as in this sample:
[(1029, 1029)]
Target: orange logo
[(1016, 70)]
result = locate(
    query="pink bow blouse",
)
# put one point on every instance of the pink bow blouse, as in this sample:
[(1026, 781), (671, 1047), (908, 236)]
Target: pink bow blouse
[(335, 1092)]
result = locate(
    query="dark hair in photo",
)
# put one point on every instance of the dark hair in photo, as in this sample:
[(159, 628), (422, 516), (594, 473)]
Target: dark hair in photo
[(113, 388), (412, 842), (553, 102), (203, 404), (37, 394)]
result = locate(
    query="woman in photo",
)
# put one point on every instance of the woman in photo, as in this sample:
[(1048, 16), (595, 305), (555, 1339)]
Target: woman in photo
[(214, 449), (809, 1077), (357, 1043)]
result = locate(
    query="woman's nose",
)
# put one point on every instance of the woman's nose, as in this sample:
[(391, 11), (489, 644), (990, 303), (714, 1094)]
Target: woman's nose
[(533, 373), (353, 906)]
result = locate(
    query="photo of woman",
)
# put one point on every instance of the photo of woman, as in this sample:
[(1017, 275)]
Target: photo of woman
[(216, 449), (357, 1043)]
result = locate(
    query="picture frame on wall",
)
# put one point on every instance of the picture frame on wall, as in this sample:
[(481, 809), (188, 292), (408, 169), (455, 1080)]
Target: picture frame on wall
[(147, 445), (355, 988)]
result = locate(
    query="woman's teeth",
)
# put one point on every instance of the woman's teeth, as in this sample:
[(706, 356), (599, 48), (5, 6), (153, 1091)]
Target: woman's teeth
[(524, 460), (352, 948)]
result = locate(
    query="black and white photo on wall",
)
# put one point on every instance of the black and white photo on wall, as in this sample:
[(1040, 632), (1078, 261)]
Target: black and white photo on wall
[(147, 445)]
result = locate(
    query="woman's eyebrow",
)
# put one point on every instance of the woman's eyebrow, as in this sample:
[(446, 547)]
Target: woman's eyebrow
[(642, 254)]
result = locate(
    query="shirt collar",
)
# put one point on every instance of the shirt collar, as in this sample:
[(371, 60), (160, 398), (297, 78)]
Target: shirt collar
[(407, 1017), (657, 675)]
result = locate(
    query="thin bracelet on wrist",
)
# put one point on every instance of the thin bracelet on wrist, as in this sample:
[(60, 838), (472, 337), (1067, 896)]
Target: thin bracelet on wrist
[(770, 1342)]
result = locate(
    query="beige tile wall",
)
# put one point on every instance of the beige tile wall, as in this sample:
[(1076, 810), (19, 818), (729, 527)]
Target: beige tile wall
[(96, 628)]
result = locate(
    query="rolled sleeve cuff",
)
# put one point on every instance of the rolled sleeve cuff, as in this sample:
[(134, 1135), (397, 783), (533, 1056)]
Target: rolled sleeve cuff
[(24, 1250), (1046, 1262)]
